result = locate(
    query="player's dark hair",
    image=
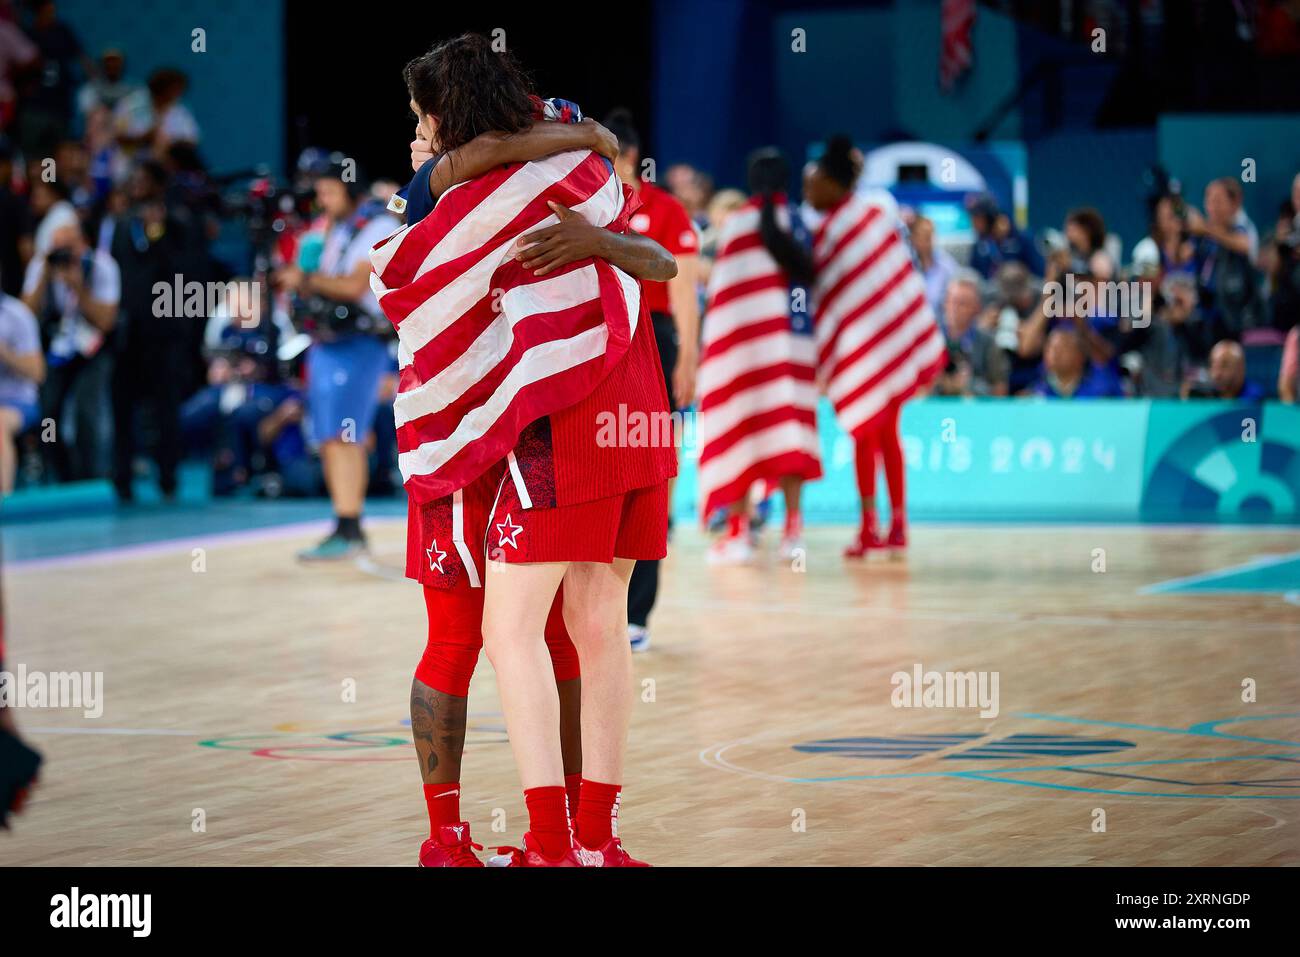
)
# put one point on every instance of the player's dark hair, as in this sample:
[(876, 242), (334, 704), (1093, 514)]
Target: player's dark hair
[(838, 161), (619, 122), (769, 173), (471, 89)]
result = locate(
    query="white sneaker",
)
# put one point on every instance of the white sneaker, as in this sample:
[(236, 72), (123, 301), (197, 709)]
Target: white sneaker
[(731, 551), (790, 545), (638, 637)]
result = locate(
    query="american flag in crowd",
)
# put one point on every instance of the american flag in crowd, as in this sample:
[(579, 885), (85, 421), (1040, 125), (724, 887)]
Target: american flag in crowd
[(877, 339), (956, 20), (486, 347), (758, 394)]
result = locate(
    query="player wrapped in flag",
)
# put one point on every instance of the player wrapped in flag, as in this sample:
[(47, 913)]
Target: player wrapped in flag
[(877, 339), (758, 395), (485, 346)]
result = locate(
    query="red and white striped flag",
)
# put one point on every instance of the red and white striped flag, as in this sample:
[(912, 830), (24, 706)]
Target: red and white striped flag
[(485, 346), (758, 394), (877, 339), (956, 19)]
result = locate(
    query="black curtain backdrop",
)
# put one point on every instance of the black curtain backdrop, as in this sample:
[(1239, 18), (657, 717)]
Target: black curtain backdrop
[(344, 87)]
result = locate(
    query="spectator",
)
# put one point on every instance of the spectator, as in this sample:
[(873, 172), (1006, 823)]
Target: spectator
[(936, 265), (52, 210), (22, 369), (1067, 374), (1099, 332), (1227, 376), (47, 102), (244, 419), (1085, 236), (1174, 343), (1167, 247), (1017, 295), (74, 290), (108, 87), (153, 118), (152, 244), (976, 365), (1225, 256), (15, 226), (997, 240), (1283, 269), (1288, 378), (693, 190), (17, 53)]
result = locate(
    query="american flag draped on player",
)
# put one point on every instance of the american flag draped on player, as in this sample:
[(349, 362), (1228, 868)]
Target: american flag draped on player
[(758, 398), (486, 347), (877, 339)]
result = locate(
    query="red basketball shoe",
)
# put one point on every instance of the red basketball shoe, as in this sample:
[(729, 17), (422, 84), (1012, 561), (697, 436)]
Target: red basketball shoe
[(868, 539), (451, 848), (897, 540), (613, 854), (531, 856)]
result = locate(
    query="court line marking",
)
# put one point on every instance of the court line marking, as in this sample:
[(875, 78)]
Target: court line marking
[(160, 732), (714, 757), (1172, 584), (152, 549)]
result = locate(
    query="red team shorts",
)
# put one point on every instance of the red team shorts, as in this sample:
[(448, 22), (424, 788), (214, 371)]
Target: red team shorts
[(444, 545), (631, 525), (449, 542)]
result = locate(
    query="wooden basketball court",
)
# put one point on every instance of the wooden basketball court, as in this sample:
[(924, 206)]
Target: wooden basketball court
[(764, 732)]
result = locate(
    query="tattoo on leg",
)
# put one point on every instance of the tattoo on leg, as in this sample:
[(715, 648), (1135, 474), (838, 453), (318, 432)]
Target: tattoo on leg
[(438, 730)]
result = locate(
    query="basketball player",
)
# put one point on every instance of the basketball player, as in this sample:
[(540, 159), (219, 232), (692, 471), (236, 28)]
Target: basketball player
[(758, 400), (675, 311), (865, 280), (575, 509), (438, 532)]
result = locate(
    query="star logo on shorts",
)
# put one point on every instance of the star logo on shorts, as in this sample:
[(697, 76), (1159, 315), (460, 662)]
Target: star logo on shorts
[(435, 564), (509, 532)]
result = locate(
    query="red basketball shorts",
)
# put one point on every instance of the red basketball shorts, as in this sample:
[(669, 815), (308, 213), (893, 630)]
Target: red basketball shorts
[(445, 541), (633, 525)]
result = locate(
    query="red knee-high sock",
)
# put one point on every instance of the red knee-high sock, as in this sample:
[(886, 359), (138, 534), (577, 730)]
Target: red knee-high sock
[(573, 789), (443, 801), (548, 819), (891, 453), (864, 460), (598, 813)]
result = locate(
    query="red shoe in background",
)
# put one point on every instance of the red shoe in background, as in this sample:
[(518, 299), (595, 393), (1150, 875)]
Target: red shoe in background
[(868, 538)]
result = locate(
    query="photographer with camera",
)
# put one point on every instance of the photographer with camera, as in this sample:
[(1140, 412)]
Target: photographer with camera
[(1226, 250), (247, 419), (348, 356), (74, 292), (153, 244)]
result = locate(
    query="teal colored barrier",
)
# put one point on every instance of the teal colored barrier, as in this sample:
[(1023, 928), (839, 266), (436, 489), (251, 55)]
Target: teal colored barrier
[(1085, 460)]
